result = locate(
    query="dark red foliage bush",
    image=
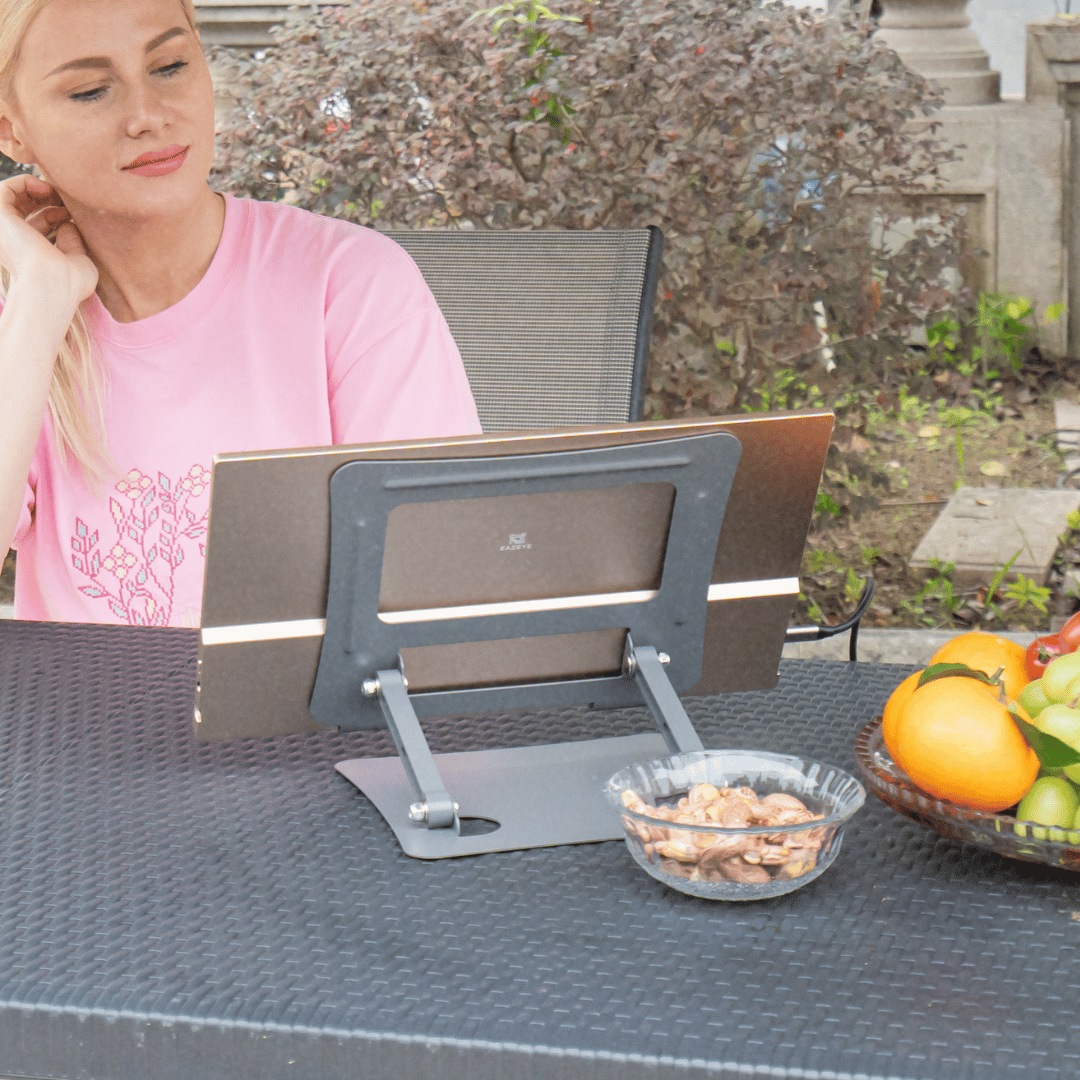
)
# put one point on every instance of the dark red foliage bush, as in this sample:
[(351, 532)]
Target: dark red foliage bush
[(785, 156)]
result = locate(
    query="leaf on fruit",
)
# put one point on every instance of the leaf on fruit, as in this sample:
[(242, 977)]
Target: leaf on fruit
[(1051, 751), (949, 671)]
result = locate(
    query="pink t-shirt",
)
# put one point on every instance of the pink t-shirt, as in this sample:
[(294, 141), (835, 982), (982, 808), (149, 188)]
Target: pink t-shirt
[(304, 331)]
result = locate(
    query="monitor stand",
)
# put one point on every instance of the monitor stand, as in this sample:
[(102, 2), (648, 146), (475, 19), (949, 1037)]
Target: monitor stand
[(537, 796), (512, 798)]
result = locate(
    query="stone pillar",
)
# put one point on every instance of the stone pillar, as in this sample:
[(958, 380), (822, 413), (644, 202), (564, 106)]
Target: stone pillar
[(1059, 43), (934, 38)]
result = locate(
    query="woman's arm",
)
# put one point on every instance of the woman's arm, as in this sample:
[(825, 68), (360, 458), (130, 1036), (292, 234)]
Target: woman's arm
[(48, 282)]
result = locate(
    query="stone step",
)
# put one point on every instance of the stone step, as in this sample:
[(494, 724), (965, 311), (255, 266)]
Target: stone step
[(980, 529)]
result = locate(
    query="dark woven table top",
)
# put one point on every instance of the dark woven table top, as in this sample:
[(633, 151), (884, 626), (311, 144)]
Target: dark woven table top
[(171, 909)]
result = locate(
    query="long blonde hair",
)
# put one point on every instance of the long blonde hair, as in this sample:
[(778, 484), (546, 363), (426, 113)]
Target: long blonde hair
[(79, 391)]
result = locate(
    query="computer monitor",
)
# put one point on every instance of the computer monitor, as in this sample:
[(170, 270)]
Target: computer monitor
[(498, 572)]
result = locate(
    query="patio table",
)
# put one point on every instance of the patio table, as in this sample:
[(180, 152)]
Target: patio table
[(177, 910)]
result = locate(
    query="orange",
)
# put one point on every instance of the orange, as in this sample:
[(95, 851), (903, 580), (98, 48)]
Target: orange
[(897, 700), (987, 652), (958, 742)]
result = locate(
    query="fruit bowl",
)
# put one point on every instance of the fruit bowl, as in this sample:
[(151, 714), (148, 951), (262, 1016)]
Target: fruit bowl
[(782, 857), (994, 832)]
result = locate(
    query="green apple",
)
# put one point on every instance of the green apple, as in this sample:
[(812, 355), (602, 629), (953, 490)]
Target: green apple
[(1061, 721), (1050, 801), (1072, 691), (1059, 674), (1033, 698)]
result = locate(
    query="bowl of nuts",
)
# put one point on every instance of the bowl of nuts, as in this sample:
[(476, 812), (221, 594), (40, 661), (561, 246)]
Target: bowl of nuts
[(734, 824)]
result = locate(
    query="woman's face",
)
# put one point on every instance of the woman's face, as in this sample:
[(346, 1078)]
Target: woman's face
[(99, 89)]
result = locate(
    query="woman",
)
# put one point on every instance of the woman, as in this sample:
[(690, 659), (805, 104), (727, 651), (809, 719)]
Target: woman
[(150, 322)]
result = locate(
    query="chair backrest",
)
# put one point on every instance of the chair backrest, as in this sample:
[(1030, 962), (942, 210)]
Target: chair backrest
[(553, 326)]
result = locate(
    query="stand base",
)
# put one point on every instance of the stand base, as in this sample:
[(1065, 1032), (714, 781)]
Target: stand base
[(546, 795)]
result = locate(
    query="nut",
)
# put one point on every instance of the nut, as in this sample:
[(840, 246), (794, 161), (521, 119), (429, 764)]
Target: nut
[(773, 854), (797, 865), (682, 850), (762, 813), (703, 793), (725, 847), (783, 801), (708, 856), (736, 814), (744, 873)]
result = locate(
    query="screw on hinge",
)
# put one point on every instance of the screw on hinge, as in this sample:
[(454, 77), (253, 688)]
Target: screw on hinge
[(418, 811)]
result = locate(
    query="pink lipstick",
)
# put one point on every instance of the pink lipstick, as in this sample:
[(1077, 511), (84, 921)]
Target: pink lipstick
[(158, 162)]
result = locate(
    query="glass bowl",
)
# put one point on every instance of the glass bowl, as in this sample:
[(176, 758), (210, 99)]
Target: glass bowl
[(745, 863), (996, 832)]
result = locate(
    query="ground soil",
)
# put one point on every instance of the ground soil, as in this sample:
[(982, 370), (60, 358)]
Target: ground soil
[(923, 469)]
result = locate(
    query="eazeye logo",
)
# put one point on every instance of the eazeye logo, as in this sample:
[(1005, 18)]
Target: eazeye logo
[(517, 543)]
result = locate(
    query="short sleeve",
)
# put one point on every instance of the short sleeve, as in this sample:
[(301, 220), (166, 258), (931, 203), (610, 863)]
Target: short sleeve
[(393, 369)]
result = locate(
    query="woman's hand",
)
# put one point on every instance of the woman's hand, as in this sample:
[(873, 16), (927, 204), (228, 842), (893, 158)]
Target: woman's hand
[(39, 243)]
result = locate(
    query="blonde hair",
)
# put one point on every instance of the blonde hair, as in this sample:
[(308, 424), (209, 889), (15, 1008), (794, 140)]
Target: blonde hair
[(79, 392)]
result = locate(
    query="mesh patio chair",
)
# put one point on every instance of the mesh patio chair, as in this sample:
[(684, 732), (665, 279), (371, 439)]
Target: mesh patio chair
[(553, 326)]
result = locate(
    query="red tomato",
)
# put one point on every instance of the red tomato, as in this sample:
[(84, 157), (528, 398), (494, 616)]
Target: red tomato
[(1039, 653), (1069, 634), (1044, 649)]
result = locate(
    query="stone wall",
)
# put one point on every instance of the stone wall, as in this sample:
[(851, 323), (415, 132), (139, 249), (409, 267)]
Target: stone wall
[(1012, 154)]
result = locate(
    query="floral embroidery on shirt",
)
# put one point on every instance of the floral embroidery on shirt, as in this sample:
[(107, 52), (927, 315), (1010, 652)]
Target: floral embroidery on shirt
[(136, 574)]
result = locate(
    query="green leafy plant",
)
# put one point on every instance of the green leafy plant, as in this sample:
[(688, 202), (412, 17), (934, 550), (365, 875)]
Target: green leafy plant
[(1024, 591), (959, 418), (989, 399), (785, 390), (853, 586), (937, 589), (1001, 323), (991, 609), (944, 335), (1001, 318), (816, 560), (824, 503), (530, 17), (912, 409), (1072, 525)]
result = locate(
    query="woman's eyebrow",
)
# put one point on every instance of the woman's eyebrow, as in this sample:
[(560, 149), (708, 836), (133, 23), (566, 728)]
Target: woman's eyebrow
[(105, 62)]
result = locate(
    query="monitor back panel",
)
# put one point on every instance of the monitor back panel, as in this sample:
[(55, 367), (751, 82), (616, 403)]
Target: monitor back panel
[(267, 564)]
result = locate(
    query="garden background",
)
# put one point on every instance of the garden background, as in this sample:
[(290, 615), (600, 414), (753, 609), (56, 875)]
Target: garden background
[(791, 162)]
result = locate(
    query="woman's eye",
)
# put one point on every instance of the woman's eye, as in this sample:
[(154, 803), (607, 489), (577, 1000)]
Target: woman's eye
[(168, 71)]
